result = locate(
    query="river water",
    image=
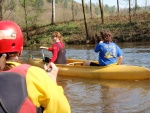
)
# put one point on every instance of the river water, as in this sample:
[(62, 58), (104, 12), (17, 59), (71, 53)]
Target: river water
[(105, 96)]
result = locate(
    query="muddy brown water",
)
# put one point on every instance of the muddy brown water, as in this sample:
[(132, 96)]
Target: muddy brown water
[(105, 96)]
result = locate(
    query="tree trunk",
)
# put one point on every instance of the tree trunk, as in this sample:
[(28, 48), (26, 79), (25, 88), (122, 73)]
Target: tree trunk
[(1, 10), (135, 7), (91, 8), (129, 12), (118, 7), (26, 21), (145, 5), (72, 8), (101, 10), (85, 23), (53, 12)]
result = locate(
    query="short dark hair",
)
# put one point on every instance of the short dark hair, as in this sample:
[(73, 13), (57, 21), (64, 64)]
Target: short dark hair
[(105, 34)]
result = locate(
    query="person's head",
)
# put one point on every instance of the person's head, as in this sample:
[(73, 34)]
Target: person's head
[(56, 36), (106, 36), (11, 39)]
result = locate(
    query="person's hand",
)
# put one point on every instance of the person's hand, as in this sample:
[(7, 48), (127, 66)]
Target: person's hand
[(41, 47), (52, 71), (100, 41), (2, 62)]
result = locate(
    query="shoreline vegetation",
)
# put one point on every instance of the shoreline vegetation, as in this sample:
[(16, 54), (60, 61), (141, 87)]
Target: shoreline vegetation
[(73, 32), (79, 23)]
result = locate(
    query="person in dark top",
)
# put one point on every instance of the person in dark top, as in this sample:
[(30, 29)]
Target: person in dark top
[(57, 49)]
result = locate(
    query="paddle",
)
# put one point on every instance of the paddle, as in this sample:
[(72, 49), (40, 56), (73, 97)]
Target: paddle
[(43, 56), (45, 67)]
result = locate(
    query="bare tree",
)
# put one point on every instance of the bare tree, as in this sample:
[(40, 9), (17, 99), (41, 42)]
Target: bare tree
[(8, 5), (24, 5), (102, 11), (53, 12), (118, 7), (135, 7), (85, 23), (1, 10), (91, 8), (72, 8), (145, 5), (30, 19), (129, 10)]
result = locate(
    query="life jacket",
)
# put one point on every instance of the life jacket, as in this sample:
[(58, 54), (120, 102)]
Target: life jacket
[(61, 58), (13, 92)]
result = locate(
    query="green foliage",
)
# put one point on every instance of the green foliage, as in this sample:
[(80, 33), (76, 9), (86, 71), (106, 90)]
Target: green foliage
[(97, 10), (87, 9), (56, 1), (112, 26), (70, 0), (106, 8), (10, 5), (65, 29), (112, 10), (66, 4), (37, 3), (59, 1), (109, 10), (24, 2), (50, 1)]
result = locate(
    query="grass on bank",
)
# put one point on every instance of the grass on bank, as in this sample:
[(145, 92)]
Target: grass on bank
[(74, 32)]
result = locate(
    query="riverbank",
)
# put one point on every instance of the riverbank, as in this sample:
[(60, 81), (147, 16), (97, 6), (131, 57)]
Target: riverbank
[(74, 32)]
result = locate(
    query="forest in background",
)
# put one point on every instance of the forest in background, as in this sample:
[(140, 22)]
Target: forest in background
[(36, 18)]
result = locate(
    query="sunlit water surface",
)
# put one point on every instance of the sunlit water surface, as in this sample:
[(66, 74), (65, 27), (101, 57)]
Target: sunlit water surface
[(105, 96)]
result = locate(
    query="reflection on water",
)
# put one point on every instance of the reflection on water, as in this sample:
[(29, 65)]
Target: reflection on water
[(105, 96)]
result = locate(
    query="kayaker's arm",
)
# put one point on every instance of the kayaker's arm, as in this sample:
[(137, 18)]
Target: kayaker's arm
[(119, 60), (96, 49), (55, 53), (42, 47)]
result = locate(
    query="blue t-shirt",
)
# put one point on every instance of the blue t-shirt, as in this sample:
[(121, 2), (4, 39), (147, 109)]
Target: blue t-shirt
[(108, 53)]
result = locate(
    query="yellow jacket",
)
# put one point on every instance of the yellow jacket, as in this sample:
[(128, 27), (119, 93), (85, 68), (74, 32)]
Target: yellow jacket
[(43, 91)]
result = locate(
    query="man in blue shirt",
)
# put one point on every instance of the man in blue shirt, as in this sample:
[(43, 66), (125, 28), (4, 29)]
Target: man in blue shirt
[(109, 52)]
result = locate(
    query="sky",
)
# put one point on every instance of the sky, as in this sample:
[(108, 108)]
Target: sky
[(122, 3)]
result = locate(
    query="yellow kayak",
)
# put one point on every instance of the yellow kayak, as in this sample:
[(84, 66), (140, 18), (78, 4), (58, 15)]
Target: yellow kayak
[(75, 68)]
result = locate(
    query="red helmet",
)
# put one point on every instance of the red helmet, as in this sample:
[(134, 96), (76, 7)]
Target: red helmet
[(11, 38)]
